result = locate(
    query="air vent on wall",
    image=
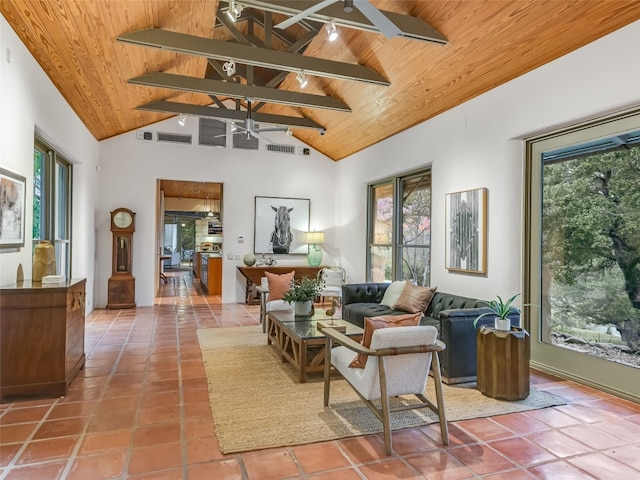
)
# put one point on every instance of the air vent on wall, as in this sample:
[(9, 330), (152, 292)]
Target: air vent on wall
[(274, 147), (174, 138), (212, 132)]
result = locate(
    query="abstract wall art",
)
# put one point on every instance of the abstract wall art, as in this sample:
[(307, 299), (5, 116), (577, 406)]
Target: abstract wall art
[(466, 227)]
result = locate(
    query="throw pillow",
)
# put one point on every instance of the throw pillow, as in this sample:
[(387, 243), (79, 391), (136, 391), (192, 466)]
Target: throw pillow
[(384, 321), (392, 293), (414, 299), (278, 284)]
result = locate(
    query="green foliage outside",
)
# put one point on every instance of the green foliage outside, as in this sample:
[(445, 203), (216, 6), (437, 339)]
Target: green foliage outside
[(591, 242)]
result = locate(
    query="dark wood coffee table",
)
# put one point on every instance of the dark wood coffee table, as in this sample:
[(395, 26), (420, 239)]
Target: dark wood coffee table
[(299, 341)]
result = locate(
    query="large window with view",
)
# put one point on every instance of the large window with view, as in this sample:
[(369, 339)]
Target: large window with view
[(584, 244), (52, 203), (399, 232)]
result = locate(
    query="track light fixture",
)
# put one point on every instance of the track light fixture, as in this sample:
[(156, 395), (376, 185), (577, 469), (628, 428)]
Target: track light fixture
[(289, 131), (229, 67), (332, 30), (182, 119), (302, 79), (234, 11)]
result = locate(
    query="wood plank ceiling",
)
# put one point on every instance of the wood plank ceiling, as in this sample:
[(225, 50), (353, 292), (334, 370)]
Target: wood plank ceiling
[(490, 42)]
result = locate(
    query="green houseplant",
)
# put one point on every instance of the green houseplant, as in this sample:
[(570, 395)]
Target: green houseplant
[(302, 293), (500, 309)]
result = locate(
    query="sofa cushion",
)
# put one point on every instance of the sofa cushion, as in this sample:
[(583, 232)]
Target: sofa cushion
[(414, 299), (385, 321), (356, 312), (392, 293), (278, 284)]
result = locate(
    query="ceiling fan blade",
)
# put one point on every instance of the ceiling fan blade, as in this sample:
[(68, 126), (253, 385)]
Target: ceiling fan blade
[(274, 129), (382, 23), (305, 13)]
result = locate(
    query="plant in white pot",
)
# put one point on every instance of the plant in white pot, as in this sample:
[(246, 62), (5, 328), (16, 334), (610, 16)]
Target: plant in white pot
[(501, 310), (302, 294)]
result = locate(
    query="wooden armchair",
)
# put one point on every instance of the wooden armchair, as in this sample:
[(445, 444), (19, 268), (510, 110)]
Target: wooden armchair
[(398, 363)]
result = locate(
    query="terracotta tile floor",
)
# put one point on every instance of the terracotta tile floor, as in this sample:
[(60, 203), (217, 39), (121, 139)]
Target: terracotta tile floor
[(139, 410)]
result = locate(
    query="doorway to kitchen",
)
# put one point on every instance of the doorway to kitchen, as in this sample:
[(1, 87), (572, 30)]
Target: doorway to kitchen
[(190, 231)]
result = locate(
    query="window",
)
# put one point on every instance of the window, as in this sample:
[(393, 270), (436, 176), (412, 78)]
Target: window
[(399, 238), (582, 238), (52, 203)]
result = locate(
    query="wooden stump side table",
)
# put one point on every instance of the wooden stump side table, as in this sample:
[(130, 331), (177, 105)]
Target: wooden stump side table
[(503, 363)]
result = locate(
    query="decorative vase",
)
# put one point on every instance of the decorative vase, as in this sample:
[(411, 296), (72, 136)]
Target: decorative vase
[(249, 259), (502, 324), (303, 309), (44, 261), (314, 257)]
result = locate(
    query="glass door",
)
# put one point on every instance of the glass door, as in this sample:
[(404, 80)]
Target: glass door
[(583, 239)]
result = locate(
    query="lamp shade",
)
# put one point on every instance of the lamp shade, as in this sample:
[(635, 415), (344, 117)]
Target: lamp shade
[(314, 238)]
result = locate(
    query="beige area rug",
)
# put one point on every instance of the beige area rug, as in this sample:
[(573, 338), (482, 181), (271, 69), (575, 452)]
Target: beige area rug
[(257, 401)]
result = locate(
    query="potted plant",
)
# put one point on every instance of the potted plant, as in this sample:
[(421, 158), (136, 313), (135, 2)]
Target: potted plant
[(501, 310), (302, 294)]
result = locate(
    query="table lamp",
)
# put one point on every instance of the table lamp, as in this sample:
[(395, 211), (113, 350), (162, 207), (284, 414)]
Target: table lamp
[(314, 258)]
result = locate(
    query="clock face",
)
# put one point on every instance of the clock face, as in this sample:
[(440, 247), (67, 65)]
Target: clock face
[(122, 219)]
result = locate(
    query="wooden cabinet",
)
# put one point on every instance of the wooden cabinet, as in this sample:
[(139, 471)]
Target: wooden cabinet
[(195, 263), (211, 274), (41, 338), (215, 276)]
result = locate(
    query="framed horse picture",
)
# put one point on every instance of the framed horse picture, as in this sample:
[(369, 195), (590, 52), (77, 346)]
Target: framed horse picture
[(280, 225)]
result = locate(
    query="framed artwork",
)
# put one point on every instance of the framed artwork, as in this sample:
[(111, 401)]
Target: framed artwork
[(280, 225), (12, 209), (466, 224)]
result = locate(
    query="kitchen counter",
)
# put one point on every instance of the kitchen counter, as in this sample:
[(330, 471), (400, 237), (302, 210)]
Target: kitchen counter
[(211, 272)]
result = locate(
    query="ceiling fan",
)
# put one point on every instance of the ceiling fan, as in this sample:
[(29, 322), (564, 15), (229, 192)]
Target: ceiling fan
[(249, 127), (375, 16)]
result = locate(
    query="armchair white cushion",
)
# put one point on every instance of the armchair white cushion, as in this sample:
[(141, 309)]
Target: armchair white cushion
[(331, 280), (399, 362)]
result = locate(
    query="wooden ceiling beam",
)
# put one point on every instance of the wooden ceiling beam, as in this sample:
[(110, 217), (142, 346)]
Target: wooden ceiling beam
[(413, 28), (228, 114), (237, 90), (250, 55)]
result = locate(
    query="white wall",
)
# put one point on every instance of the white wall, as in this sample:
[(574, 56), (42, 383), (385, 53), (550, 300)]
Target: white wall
[(28, 102), (479, 144), (131, 167)]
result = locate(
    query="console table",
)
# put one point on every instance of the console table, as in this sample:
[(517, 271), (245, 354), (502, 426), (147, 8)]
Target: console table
[(41, 337), (254, 274)]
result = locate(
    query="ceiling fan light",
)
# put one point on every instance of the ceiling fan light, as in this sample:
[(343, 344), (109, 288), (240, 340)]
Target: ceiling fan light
[(332, 30), (302, 79)]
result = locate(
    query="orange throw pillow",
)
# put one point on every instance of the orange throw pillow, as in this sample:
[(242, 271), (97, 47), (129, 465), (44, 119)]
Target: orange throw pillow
[(414, 299), (384, 321), (278, 284)]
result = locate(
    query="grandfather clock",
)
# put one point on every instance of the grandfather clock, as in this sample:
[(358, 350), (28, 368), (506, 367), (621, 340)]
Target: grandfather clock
[(122, 285)]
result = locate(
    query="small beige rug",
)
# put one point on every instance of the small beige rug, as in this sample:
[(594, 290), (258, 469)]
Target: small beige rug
[(257, 401)]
